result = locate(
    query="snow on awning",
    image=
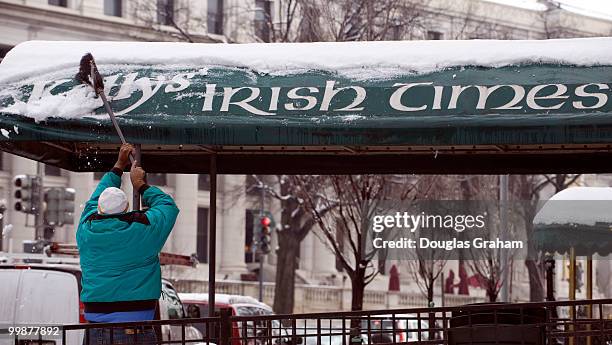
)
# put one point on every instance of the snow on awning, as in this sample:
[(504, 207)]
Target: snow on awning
[(357, 98), (33, 59), (579, 217)]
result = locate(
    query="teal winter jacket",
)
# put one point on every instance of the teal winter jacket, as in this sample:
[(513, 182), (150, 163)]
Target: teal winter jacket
[(120, 253)]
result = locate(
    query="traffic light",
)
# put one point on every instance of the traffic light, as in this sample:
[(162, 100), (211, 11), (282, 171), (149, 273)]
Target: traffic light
[(265, 235), (27, 194), (60, 206)]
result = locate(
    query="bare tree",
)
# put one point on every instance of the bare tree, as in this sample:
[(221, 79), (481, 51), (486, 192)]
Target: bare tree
[(175, 20), (340, 20), (371, 20), (528, 189), (347, 227), (295, 224), (487, 263), (469, 25), (157, 14), (426, 266)]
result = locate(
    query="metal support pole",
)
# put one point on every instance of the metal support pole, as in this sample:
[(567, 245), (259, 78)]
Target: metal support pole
[(135, 194), (572, 292), (589, 293), (442, 292), (212, 241), (550, 277), (261, 260), (572, 274), (39, 216), (504, 264), (589, 281), (259, 247)]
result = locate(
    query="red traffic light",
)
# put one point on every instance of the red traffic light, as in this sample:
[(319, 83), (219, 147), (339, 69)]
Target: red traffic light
[(265, 221)]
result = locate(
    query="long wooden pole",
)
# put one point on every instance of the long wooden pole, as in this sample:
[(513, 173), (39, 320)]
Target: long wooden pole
[(212, 240)]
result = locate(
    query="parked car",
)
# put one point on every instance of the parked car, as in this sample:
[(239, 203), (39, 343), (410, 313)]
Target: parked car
[(35, 291), (197, 306)]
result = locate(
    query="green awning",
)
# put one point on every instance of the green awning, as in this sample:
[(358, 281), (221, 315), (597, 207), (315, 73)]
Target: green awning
[(533, 106), (578, 218)]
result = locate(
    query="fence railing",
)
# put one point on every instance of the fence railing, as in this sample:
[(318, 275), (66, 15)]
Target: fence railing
[(309, 298), (552, 323)]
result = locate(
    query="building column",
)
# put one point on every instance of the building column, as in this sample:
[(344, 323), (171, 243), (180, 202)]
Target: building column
[(83, 186), (324, 259), (183, 238), (307, 254), (231, 228)]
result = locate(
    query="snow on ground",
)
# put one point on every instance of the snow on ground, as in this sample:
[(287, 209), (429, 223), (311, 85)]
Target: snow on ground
[(359, 59), (577, 205)]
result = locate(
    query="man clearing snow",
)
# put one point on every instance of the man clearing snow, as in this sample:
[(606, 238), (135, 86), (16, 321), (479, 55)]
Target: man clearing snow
[(120, 250)]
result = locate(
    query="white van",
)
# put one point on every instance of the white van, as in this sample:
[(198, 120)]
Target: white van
[(49, 293), (40, 294)]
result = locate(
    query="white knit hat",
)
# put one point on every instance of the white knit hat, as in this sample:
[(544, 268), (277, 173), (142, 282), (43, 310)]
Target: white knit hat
[(112, 201)]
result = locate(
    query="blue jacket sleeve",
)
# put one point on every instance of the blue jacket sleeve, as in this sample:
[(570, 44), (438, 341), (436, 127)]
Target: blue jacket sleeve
[(110, 179), (162, 214)]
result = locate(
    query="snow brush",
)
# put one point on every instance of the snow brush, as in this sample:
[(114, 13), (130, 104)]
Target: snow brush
[(88, 74)]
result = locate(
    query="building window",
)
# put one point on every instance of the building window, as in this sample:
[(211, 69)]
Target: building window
[(263, 13), (215, 17), (112, 8), (203, 182), (202, 235), (157, 179), (51, 170), (61, 3), (434, 35), (165, 12), (396, 32)]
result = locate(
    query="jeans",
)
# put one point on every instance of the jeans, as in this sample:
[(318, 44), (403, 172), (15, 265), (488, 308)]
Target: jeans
[(133, 335)]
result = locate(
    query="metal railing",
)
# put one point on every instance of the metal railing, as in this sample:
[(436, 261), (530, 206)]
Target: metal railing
[(552, 323), (319, 298)]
